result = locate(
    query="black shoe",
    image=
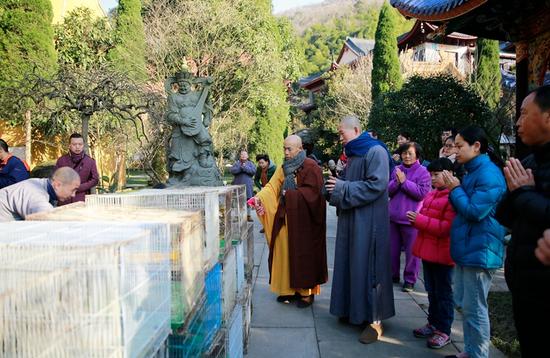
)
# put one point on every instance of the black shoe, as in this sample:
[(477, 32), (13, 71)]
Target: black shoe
[(262, 231), (407, 287), (249, 218), (395, 279), (286, 299), (305, 302)]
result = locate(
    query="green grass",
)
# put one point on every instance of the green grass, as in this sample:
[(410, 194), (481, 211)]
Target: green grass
[(503, 330)]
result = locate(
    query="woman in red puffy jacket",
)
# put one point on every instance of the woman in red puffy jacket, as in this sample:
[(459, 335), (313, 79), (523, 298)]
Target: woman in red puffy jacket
[(432, 245)]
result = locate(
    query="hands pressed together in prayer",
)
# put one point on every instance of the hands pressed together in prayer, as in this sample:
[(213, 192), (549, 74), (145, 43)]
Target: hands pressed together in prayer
[(516, 175), (450, 180), (400, 176), (396, 157), (330, 184), (542, 252), (411, 215)]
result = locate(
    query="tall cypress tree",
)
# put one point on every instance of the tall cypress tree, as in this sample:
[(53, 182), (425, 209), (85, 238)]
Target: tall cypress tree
[(26, 45), (26, 38), (386, 71), (487, 74), (129, 54)]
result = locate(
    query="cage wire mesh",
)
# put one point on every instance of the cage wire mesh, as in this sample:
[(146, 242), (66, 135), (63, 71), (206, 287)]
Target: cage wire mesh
[(234, 338), (72, 289), (229, 283), (205, 200), (186, 245), (232, 207)]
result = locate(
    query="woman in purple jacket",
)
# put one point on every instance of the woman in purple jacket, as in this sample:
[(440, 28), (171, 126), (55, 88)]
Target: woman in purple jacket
[(243, 170), (409, 184)]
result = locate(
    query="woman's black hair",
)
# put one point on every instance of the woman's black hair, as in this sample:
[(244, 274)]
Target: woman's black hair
[(417, 149), (405, 135), (472, 134), (452, 137), (262, 156), (440, 164)]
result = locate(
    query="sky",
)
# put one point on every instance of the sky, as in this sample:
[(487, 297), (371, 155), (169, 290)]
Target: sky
[(282, 5), (278, 5)]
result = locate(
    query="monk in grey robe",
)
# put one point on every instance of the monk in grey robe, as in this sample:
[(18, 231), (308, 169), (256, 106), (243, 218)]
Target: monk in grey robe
[(362, 287)]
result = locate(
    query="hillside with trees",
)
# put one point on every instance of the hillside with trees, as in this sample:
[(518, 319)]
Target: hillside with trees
[(323, 28)]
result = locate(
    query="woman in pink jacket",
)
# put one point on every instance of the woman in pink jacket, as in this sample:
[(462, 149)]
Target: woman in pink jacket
[(432, 245)]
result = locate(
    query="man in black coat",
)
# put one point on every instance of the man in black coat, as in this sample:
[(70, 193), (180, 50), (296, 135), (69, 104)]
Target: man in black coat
[(526, 211)]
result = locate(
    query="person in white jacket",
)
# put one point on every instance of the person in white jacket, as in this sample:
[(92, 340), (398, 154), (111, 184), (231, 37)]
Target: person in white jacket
[(31, 196)]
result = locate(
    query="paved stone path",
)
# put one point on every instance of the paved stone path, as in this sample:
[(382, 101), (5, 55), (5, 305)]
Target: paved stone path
[(279, 330)]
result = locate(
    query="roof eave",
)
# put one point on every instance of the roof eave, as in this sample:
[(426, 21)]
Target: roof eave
[(447, 14)]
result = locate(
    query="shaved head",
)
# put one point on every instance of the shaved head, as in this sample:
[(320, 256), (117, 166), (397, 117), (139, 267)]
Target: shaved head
[(65, 183), (292, 146), (294, 140), (66, 175), (349, 129), (350, 122)]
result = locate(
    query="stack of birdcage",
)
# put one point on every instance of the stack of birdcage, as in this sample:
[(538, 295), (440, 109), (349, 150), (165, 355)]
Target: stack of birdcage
[(73, 289), (186, 241), (210, 327), (205, 200)]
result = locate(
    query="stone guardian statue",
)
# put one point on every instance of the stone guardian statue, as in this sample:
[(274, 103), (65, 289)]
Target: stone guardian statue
[(190, 113)]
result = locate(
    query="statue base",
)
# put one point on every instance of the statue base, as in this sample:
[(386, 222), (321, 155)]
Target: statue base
[(199, 177)]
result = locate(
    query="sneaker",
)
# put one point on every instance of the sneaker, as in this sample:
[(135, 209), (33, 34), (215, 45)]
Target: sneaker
[(425, 331), (438, 340), (407, 287)]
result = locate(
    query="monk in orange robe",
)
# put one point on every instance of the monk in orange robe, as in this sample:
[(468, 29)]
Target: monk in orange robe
[(292, 210)]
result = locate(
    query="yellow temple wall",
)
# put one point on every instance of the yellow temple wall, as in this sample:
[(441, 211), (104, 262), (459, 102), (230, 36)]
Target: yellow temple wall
[(46, 150), (62, 7)]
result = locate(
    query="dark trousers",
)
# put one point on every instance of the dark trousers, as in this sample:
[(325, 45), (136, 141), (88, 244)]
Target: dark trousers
[(532, 316), (438, 280)]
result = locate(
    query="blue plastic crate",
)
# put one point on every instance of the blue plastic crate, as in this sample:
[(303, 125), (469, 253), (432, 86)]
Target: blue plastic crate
[(213, 291)]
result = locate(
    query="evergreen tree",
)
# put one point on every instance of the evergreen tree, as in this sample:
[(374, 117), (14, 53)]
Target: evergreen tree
[(386, 71), (26, 38), (487, 75), (129, 54), (83, 40), (26, 45)]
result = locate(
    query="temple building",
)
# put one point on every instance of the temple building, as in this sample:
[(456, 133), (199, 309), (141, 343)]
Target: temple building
[(524, 23), (423, 53)]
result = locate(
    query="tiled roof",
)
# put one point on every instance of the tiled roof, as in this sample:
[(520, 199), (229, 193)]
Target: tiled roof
[(360, 46), (428, 8)]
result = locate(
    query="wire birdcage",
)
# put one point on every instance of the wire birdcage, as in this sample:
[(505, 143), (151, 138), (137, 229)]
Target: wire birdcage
[(233, 198), (234, 331), (205, 200), (186, 245), (72, 289)]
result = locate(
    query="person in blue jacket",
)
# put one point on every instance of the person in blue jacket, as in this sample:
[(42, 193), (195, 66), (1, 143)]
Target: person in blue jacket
[(477, 239), (12, 169)]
